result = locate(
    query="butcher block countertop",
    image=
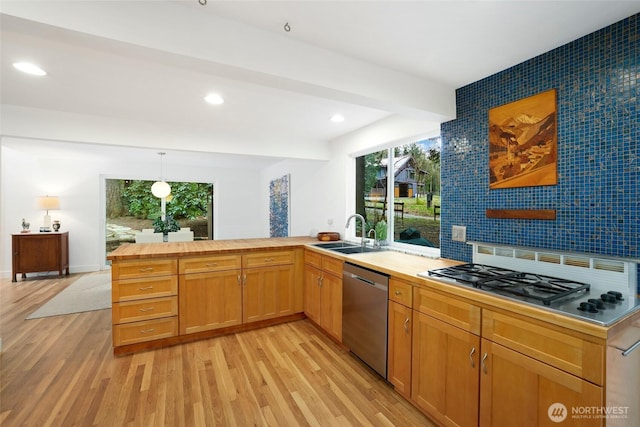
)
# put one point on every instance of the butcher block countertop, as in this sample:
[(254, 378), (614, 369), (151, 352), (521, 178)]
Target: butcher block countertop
[(204, 247), (400, 265)]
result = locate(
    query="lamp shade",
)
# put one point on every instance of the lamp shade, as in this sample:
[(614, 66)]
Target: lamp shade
[(48, 203), (160, 189)]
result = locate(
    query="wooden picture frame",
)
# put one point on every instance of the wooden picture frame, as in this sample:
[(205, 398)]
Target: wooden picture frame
[(523, 142)]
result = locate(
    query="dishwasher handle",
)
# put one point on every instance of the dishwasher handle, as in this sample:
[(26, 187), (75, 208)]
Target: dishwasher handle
[(367, 281)]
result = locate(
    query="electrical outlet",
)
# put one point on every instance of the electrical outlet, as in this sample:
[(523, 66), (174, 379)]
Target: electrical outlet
[(459, 233), (330, 221)]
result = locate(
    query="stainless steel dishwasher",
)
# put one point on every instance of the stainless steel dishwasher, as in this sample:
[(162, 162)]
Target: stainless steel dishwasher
[(364, 315)]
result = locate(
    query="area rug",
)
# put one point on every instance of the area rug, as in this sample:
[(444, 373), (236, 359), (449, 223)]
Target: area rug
[(90, 292)]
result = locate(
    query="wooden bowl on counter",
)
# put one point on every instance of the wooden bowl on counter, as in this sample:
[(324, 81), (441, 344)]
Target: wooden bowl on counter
[(328, 236)]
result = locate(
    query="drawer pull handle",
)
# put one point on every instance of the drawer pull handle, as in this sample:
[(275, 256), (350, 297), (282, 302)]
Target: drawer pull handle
[(147, 331), (147, 288), (406, 325), (484, 365), (473, 351), (144, 310), (269, 259), (398, 293), (212, 264), (143, 270)]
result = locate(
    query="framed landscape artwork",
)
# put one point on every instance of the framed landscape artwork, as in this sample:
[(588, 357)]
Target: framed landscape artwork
[(523, 142), (279, 208)]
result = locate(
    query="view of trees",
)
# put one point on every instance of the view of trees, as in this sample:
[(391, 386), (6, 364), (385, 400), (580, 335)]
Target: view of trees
[(188, 200)]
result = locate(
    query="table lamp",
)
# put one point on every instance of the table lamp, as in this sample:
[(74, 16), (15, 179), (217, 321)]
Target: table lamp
[(48, 203)]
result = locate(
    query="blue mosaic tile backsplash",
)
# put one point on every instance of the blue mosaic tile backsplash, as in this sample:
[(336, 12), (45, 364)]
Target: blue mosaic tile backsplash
[(597, 198)]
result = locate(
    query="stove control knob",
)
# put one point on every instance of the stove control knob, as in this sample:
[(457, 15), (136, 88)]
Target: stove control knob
[(597, 302), (587, 306), (608, 297), (616, 294)]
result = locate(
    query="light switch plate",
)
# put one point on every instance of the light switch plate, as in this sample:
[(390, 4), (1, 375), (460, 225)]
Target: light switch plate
[(459, 233)]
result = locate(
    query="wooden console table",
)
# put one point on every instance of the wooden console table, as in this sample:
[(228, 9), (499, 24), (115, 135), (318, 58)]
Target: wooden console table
[(39, 252)]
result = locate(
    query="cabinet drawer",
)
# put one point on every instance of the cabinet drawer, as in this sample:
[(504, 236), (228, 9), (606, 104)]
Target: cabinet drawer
[(565, 351), (332, 265), (146, 309), (151, 287), (144, 268), (401, 292), (211, 263), (265, 259), (313, 258), (149, 330), (448, 309)]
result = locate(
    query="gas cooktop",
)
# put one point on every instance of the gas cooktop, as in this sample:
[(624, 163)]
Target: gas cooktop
[(568, 297)]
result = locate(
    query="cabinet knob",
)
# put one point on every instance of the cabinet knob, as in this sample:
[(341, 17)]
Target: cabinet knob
[(398, 293)]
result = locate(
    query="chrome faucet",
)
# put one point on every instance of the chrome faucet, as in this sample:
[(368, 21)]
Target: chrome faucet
[(376, 244), (364, 233)]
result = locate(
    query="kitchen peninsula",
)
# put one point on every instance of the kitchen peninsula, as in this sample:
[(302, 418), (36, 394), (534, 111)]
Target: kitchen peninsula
[(439, 334)]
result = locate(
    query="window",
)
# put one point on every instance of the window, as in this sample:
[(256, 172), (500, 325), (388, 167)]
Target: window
[(398, 193), (130, 207)]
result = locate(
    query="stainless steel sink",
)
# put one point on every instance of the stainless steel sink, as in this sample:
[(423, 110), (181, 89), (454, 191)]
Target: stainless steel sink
[(346, 248), (355, 250)]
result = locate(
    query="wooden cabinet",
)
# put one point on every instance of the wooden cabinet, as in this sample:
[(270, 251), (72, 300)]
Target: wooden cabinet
[(519, 390), (227, 290), (399, 335), (145, 303), (210, 301), (39, 252), (399, 348), (323, 292), (446, 348), (268, 285)]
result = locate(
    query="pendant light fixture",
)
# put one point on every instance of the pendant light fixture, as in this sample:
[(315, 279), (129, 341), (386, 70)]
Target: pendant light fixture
[(160, 188)]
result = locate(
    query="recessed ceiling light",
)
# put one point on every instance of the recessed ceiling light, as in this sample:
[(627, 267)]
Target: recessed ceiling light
[(214, 99), (29, 68), (337, 118)]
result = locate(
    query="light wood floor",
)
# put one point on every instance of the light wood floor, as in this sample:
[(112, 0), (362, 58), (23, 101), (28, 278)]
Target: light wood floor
[(61, 371)]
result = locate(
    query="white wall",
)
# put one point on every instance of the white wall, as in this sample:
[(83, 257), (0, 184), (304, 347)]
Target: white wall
[(75, 173)]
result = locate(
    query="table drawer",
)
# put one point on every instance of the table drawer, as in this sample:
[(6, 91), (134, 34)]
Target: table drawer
[(151, 287), (211, 263), (447, 309), (401, 292), (540, 341), (146, 309), (121, 270), (265, 259), (149, 330)]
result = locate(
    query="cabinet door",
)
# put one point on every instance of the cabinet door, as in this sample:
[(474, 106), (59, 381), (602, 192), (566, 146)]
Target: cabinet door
[(331, 304), (210, 301), (445, 380), (399, 357), (38, 253), (312, 277), (517, 390), (267, 293)]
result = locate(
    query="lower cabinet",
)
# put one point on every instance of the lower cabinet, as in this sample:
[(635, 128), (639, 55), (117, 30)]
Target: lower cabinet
[(399, 354), (445, 371), (210, 301), (323, 292), (512, 371), (268, 292), (517, 390)]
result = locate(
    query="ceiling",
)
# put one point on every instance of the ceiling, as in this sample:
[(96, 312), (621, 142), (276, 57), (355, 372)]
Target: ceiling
[(151, 63)]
